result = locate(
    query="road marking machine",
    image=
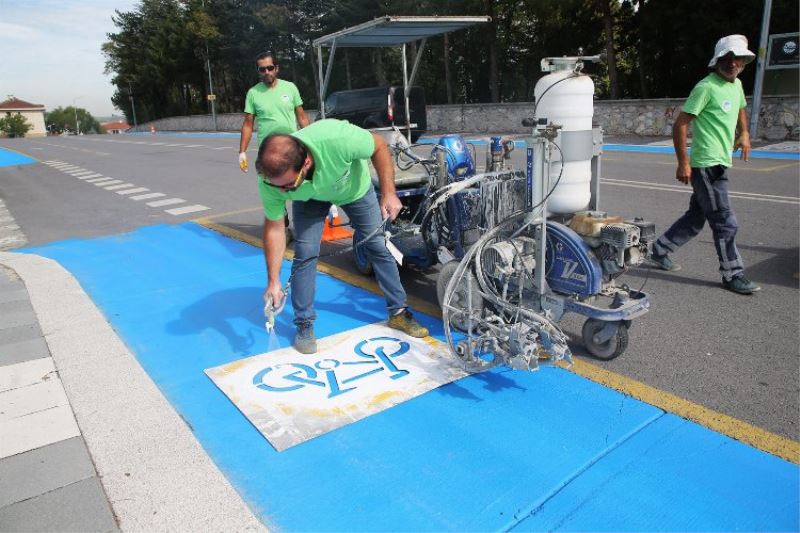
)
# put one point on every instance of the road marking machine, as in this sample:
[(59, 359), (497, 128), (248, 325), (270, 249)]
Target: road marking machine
[(519, 248)]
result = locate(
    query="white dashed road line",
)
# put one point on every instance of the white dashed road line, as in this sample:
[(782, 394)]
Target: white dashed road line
[(168, 201), (121, 188), (148, 196), (132, 191), (188, 209)]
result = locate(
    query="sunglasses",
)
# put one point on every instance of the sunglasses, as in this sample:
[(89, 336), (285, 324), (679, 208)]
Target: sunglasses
[(287, 188), (269, 68)]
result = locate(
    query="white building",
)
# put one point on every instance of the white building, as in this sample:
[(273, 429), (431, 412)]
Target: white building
[(33, 113)]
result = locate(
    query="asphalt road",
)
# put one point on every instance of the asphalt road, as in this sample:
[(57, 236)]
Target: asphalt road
[(734, 354)]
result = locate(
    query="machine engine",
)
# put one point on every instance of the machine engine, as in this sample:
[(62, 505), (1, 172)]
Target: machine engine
[(618, 245)]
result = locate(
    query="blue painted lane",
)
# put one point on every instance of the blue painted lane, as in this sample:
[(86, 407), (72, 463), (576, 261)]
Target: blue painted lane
[(495, 451), (755, 154), (676, 476), (643, 148), (10, 158)]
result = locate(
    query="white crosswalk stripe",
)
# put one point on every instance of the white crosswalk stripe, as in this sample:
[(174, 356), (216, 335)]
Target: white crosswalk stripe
[(133, 191), (168, 201), (187, 209), (148, 196), (126, 189)]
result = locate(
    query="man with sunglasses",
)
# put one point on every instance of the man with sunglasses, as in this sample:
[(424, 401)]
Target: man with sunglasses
[(324, 164), (273, 103), (715, 107)]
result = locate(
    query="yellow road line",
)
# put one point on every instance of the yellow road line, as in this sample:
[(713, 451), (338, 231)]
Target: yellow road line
[(776, 167), (228, 232), (741, 168), (727, 425), (229, 213), (339, 273)]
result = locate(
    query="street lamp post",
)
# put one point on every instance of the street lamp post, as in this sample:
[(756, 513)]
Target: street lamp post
[(75, 109), (133, 105), (211, 95), (755, 111)]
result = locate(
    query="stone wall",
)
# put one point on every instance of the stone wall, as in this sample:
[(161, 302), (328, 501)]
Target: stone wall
[(780, 118), (225, 122)]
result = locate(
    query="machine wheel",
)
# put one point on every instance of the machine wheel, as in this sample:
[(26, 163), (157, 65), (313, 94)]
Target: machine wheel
[(609, 349), (459, 299), (362, 262)]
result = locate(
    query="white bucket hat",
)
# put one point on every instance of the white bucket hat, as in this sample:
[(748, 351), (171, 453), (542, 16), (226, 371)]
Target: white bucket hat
[(732, 43)]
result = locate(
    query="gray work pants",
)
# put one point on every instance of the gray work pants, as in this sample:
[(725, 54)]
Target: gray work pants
[(709, 202)]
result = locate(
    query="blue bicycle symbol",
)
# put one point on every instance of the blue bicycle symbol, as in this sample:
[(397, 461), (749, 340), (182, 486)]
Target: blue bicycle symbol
[(294, 376)]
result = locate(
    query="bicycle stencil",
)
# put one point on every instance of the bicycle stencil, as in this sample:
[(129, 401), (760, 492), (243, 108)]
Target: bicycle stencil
[(291, 397)]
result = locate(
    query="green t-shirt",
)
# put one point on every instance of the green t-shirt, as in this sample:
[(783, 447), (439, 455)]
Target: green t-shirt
[(715, 102), (341, 175), (273, 107)]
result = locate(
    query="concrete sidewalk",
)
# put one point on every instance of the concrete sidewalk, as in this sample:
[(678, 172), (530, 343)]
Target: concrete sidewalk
[(49, 482), (87, 443)]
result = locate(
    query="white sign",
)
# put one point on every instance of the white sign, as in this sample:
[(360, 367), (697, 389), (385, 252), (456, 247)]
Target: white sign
[(292, 397)]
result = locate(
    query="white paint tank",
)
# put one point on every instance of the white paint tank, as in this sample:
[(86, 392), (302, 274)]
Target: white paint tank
[(568, 102)]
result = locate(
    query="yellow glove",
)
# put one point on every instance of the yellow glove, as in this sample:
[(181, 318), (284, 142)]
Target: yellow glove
[(243, 162)]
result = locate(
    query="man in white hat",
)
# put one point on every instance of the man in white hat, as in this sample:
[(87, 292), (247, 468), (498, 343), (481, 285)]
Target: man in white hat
[(715, 107)]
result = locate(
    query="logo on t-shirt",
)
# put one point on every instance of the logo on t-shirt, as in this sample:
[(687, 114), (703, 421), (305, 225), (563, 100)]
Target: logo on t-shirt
[(342, 182), (726, 105), (285, 98)]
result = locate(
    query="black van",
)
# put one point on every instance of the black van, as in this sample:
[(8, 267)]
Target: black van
[(379, 107)]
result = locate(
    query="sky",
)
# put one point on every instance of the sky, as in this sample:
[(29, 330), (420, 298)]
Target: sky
[(50, 52)]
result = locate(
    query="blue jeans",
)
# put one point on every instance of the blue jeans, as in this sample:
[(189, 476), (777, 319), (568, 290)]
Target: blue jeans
[(365, 217), (709, 202)]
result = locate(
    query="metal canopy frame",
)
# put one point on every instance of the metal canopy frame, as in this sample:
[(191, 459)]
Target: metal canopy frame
[(384, 32)]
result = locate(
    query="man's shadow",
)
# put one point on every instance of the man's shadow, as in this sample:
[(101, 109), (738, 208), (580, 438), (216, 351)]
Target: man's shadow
[(220, 310)]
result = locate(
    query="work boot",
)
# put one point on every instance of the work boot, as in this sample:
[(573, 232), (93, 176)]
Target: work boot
[(740, 285), (405, 322), (304, 340), (664, 262)]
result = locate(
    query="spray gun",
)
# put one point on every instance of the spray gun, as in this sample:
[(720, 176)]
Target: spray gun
[(271, 311)]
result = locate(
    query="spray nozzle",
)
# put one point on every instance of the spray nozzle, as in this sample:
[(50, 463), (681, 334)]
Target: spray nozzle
[(271, 310)]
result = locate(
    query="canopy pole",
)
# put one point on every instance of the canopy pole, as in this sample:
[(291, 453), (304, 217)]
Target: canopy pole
[(405, 93), (328, 70), (755, 112), (321, 88), (420, 49)]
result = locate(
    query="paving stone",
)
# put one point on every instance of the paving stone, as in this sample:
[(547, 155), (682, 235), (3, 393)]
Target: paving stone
[(81, 506), (27, 350), (36, 430), (14, 306), (45, 469), (20, 333), (22, 317), (11, 294)]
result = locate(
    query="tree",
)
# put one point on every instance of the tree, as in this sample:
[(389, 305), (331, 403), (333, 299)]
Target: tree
[(654, 48), (15, 125), (63, 119)]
